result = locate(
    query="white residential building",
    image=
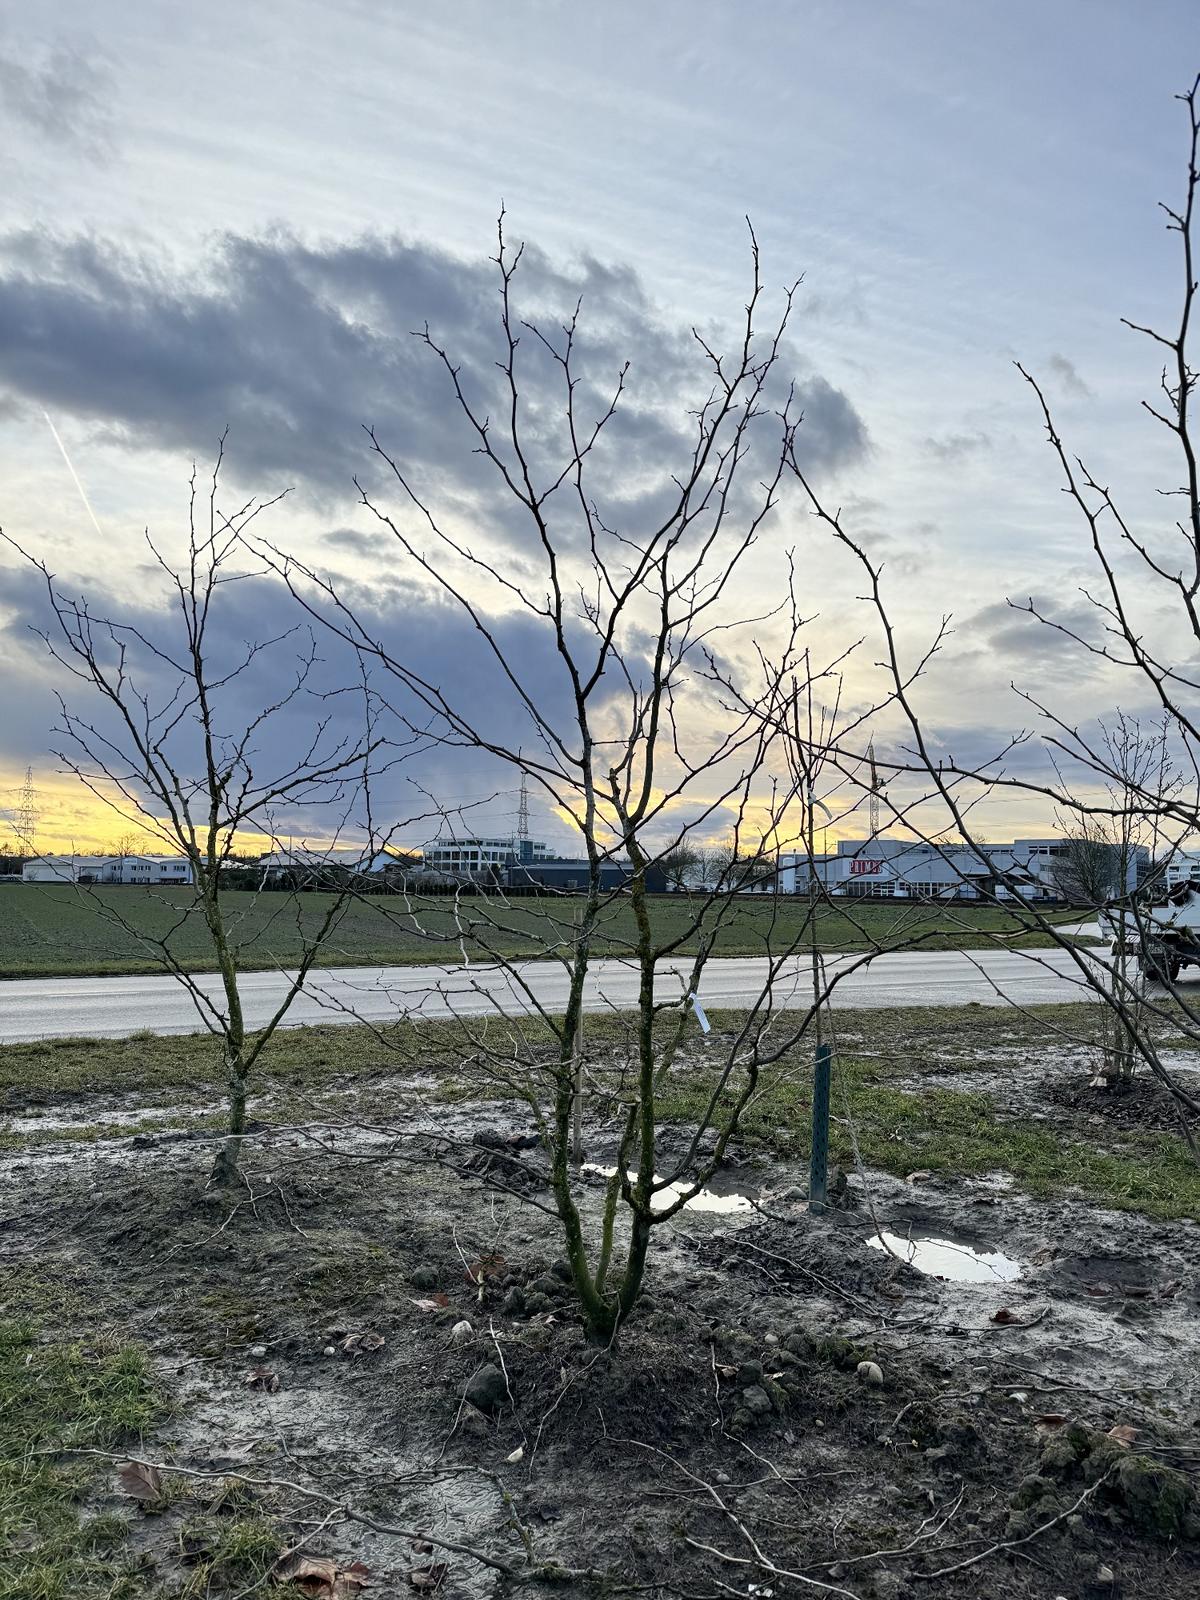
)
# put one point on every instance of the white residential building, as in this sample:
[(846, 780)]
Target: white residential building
[(147, 870)]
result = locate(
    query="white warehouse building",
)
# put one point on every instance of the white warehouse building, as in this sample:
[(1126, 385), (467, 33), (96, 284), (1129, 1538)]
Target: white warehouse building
[(147, 870), (907, 869)]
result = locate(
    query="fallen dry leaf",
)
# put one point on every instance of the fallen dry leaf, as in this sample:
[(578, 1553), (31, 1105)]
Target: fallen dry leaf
[(517, 1455), (1124, 1434), (315, 1575), (922, 1175), (1049, 1420), (1006, 1317), (422, 1547), (433, 1302), (321, 1577), (490, 1266), (139, 1481), (358, 1344), (261, 1378), (726, 1372)]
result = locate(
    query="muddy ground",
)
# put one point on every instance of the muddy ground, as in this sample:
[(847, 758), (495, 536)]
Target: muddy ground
[(728, 1445)]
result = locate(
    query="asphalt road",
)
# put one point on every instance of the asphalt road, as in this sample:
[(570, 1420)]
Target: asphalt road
[(48, 1008)]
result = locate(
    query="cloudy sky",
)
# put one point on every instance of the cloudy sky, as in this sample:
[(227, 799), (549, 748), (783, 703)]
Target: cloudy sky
[(230, 216)]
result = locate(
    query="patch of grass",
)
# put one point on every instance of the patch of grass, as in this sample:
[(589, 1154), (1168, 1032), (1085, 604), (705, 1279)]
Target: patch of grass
[(956, 1133), (59, 1396), (226, 1553), (175, 1067), (52, 930)]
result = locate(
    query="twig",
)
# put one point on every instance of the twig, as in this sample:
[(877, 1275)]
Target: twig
[(1013, 1544)]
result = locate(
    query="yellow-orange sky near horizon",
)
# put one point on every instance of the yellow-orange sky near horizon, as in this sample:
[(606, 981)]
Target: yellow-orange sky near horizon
[(71, 818)]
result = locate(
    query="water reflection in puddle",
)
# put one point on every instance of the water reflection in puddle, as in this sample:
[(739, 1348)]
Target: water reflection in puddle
[(706, 1200), (942, 1258)]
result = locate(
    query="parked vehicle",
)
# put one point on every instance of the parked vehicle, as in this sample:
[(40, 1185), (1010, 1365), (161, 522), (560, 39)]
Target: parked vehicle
[(1163, 935)]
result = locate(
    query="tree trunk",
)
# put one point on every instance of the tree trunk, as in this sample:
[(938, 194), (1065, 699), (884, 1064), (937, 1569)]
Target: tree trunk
[(225, 1165)]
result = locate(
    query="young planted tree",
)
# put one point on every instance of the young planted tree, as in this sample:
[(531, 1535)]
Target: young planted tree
[(1112, 785), (631, 730), (189, 735)]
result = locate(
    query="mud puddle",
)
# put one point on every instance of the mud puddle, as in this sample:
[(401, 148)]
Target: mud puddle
[(949, 1259), (718, 1197)]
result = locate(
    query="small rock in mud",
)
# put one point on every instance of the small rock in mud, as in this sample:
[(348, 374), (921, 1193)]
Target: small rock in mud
[(461, 1330), (870, 1372), (546, 1284), (756, 1400), (423, 1278), (487, 1390), (513, 1304)]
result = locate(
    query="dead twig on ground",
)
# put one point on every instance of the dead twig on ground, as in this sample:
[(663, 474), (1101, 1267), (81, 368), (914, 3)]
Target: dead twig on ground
[(1014, 1544)]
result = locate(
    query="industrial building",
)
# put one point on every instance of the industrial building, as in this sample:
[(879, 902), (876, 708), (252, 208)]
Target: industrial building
[(524, 864), (568, 875), (146, 870), (909, 869), (480, 860)]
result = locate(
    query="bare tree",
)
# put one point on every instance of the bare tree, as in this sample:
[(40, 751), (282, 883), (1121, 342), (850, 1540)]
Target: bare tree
[(1142, 642), (133, 844), (157, 729), (655, 728), (679, 865), (1088, 872)]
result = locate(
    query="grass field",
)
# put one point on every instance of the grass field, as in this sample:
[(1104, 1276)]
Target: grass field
[(47, 930), (983, 1112)]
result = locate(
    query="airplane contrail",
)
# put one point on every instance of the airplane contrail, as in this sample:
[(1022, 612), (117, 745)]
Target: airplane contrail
[(87, 505)]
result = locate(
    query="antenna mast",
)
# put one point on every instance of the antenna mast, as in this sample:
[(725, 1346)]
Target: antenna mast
[(523, 814), (876, 790)]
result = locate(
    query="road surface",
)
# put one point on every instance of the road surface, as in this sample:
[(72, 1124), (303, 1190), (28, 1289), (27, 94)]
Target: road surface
[(49, 1008)]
